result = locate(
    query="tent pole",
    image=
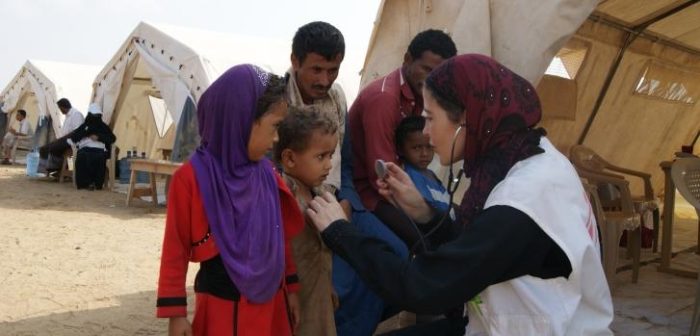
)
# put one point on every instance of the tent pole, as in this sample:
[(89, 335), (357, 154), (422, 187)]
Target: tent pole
[(646, 35), (631, 36), (606, 86)]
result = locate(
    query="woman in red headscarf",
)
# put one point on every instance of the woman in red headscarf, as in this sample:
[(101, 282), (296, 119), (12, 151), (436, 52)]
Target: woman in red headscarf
[(523, 250)]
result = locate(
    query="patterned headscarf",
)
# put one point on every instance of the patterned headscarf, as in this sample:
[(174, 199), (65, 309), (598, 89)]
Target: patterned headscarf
[(240, 197), (501, 110)]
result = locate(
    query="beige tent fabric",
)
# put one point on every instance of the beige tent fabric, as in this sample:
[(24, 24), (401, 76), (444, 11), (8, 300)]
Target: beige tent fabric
[(521, 36), (135, 125), (630, 130), (174, 64), (590, 78), (398, 21), (632, 12), (517, 33), (558, 97), (39, 84), (682, 27)]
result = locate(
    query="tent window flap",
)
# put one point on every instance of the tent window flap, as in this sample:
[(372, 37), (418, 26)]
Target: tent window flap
[(668, 83), (161, 115), (569, 60)]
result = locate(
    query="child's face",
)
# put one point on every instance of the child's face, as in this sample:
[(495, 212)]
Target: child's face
[(417, 150), (264, 133), (312, 166)]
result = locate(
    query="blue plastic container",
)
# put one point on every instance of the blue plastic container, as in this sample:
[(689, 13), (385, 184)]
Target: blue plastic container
[(125, 173), (32, 163)]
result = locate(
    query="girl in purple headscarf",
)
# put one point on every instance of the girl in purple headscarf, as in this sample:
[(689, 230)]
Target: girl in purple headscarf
[(230, 211)]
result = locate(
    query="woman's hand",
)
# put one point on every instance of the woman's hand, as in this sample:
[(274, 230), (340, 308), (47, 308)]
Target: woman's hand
[(325, 210), (400, 191), (179, 326), (294, 310)]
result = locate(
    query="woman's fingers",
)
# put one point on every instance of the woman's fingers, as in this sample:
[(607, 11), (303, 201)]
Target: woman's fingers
[(396, 172), (395, 184), (328, 197), (317, 203), (314, 216)]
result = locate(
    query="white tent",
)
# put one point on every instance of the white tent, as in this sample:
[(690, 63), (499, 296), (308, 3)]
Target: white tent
[(39, 84), (176, 65)]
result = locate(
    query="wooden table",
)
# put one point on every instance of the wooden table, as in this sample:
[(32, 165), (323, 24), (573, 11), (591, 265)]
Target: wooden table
[(153, 168), (667, 230)]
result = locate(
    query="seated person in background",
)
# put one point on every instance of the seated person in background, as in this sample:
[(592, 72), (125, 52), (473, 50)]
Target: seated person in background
[(10, 138), (415, 154), (94, 139), (307, 141), (56, 148)]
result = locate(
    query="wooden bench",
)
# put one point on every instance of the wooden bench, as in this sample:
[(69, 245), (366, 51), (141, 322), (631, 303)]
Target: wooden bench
[(153, 168)]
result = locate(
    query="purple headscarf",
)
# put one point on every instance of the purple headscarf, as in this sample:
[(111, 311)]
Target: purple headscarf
[(241, 197)]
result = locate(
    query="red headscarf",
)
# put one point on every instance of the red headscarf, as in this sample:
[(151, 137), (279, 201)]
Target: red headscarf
[(501, 110)]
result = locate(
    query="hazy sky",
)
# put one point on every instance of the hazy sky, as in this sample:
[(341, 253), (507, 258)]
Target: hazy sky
[(91, 31)]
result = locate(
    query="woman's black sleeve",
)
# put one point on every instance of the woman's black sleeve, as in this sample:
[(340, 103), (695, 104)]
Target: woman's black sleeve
[(502, 243)]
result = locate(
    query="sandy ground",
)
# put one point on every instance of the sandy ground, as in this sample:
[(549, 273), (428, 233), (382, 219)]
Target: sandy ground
[(76, 262), (81, 263)]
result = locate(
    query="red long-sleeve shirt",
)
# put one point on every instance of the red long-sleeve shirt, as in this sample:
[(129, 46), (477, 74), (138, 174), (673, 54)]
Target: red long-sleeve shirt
[(186, 224), (373, 119)]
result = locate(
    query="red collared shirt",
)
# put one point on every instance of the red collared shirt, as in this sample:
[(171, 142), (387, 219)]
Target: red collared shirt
[(373, 118)]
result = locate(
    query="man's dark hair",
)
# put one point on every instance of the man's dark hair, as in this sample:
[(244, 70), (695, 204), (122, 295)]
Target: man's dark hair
[(297, 128), (432, 40), (63, 102), (23, 113), (407, 126), (274, 93), (318, 37)]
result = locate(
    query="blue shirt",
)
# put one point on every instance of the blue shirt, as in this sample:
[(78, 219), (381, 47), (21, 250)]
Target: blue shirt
[(430, 187)]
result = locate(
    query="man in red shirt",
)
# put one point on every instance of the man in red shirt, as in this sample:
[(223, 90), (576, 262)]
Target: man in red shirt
[(381, 106)]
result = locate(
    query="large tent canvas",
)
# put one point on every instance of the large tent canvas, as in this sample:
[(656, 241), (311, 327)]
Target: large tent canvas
[(177, 65), (632, 85), (524, 43), (39, 84), (498, 28)]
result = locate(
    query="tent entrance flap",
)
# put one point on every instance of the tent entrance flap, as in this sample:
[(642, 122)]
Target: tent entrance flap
[(173, 90), (161, 115), (187, 133)]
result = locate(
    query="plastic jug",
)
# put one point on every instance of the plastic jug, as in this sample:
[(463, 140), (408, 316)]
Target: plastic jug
[(32, 163)]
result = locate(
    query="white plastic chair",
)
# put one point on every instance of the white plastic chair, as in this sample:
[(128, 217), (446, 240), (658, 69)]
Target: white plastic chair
[(685, 173), (613, 223)]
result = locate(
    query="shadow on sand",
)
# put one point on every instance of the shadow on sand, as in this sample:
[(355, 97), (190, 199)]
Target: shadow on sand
[(134, 315), (17, 191)]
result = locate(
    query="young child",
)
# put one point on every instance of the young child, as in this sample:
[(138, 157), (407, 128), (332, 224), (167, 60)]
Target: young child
[(229, 211), (416, 154), (307, 140)]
